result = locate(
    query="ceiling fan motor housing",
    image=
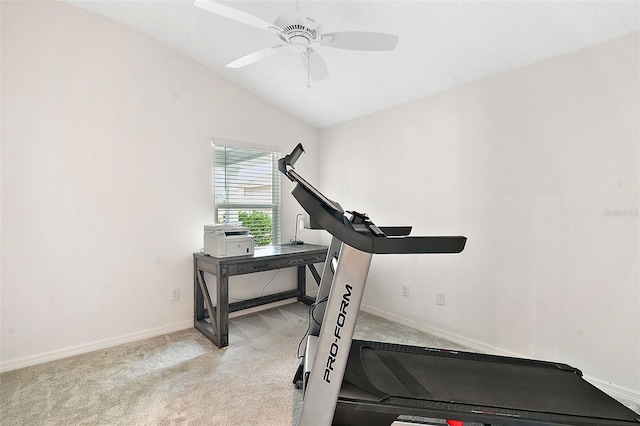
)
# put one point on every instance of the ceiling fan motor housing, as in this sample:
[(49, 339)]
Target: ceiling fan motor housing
[(298, 31)]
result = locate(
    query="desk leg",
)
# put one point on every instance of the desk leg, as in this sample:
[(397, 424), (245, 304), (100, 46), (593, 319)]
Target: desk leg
[(302, 281), (198, 300), (222, 311), (211, 331), (218, 330), (314, 272)]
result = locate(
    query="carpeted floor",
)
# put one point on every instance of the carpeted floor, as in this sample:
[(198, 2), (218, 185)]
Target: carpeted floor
[(182, 378)]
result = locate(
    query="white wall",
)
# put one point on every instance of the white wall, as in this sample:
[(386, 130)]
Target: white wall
[(106, 171), (106, 167), (526, 164)]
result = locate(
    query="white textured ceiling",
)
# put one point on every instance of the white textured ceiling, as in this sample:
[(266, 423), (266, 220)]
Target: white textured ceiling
[(442, 44)]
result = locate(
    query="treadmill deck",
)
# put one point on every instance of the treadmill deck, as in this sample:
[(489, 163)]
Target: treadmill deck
[(399, 379)]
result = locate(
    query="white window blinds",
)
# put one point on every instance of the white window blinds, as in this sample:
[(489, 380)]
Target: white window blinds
[(247, 191)]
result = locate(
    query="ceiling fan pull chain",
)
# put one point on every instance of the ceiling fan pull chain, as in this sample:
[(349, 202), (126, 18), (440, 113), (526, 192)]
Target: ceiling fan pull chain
[(308, 69)]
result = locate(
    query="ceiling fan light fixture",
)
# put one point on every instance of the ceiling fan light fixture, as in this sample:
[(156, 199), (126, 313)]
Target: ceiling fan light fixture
[(298, 43)]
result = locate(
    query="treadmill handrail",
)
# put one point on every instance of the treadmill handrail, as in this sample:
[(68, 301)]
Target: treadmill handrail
[(330, 216)]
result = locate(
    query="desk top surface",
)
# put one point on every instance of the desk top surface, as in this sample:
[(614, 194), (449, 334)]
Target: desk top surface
[(270, 251), (287, 248)]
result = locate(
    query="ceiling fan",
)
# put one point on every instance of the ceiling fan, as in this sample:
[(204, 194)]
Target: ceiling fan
[(300, 34)]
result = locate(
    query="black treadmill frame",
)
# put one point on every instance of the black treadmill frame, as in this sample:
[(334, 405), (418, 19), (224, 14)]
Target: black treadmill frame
[(361, 238)]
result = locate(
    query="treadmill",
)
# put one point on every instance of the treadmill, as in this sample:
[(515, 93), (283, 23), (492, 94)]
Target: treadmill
[(355, 382)]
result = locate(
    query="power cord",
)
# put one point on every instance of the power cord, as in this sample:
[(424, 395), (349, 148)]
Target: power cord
[(295, 240), (312, 309), (263, 288)]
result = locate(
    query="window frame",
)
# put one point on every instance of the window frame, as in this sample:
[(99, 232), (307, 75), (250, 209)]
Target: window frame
[(274, 207)]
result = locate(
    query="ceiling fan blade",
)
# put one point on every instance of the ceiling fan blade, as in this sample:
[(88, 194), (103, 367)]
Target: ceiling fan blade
[(235, 14), (254, 57), (360, 40), (314, 65)]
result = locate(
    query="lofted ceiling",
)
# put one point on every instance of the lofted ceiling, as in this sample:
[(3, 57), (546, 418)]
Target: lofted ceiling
[(442, 44)]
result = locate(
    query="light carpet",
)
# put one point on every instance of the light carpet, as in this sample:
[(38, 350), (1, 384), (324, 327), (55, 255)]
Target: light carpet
[(182, 378)]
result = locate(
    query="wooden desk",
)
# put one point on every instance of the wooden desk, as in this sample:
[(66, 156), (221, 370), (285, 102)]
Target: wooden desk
[(264, 259)]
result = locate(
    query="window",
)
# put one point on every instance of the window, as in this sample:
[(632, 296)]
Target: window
[(247, 190)]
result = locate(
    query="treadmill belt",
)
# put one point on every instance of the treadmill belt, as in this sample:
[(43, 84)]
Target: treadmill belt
[(383, 371)]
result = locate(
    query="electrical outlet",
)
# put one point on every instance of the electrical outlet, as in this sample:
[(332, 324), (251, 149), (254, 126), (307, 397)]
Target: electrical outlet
[(175, 294), (405, 290), (440, 300)]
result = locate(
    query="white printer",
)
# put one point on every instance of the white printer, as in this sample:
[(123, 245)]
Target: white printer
[(225, 240)]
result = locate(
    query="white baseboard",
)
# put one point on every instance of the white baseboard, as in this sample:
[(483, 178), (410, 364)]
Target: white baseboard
[(454, 338), (28, 361), (628, 397)]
